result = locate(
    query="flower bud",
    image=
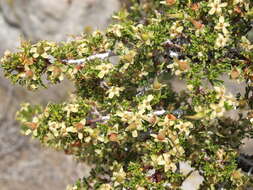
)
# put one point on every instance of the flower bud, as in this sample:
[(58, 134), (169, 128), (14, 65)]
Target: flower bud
[(234, 73), (113, 137), (195, 6), (29, 74), (31, 125), (183, 65), (171, 117), (170, 2)]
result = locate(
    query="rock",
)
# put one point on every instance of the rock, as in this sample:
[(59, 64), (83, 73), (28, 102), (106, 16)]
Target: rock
[(23, 163), (52, 20), (8, 35)]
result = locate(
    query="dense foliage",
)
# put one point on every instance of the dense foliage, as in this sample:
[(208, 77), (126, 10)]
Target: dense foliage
[(124, 117)]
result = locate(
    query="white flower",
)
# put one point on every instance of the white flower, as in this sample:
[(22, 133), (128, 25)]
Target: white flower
[(71, 129), (145, 105), (221, 41), (71, 108), (168, 163), (220, 91), (218, 110), (176, 29), (40, 51), (104, 69), (140, 188), (237, 1), (28, 132), (105, 187), (114, 91), (190, 87), (119, 176), (179, 66), (193, 181), (160, 137), (151, 172), (184, 127), (135, 133), (245, 43), (222, 25), (165, 161), (125, 116), (216, 7), (71, 187)]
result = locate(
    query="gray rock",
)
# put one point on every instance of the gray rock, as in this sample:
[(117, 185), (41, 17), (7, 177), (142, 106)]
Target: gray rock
[(7, 34), (23, 163), (52, 19)]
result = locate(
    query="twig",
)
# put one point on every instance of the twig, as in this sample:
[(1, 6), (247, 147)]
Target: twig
[(106, 118), (92, 57), (250, 170), (245, 160)]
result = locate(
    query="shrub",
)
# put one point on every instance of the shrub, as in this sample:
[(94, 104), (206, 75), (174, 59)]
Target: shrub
[(124, 118)]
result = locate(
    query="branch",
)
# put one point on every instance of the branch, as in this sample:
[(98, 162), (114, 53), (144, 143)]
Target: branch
[(108, 54), (107, 117), (92, 57)]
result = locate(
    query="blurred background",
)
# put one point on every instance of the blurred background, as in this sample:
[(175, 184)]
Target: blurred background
[(24, 164)]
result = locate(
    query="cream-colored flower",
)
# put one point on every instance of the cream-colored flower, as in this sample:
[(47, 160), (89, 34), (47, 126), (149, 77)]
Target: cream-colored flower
[(220, 154), (198, 109), (125, 115), (176, 29), (145, 105), (114, 91), (216, 6), (119, 176), (173, 137), (166, 123), (190, 87), (161, 136), (157, 85), (116, 30), (106, 186), (237, 1), (54, 127), (71, 108), (104, 69), (179, 66), (140, 188), (134, 121), (184, 127), (177, 150), (135, 133), (71, 129), (231, 100), (218, 110), (63, 130), (236, 176), (220, 90), (157, 160), (246, 44), (169, 165), (38, 51), (28, 132), (57, 72), (221, 41), (222, 25), (71, 187)]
